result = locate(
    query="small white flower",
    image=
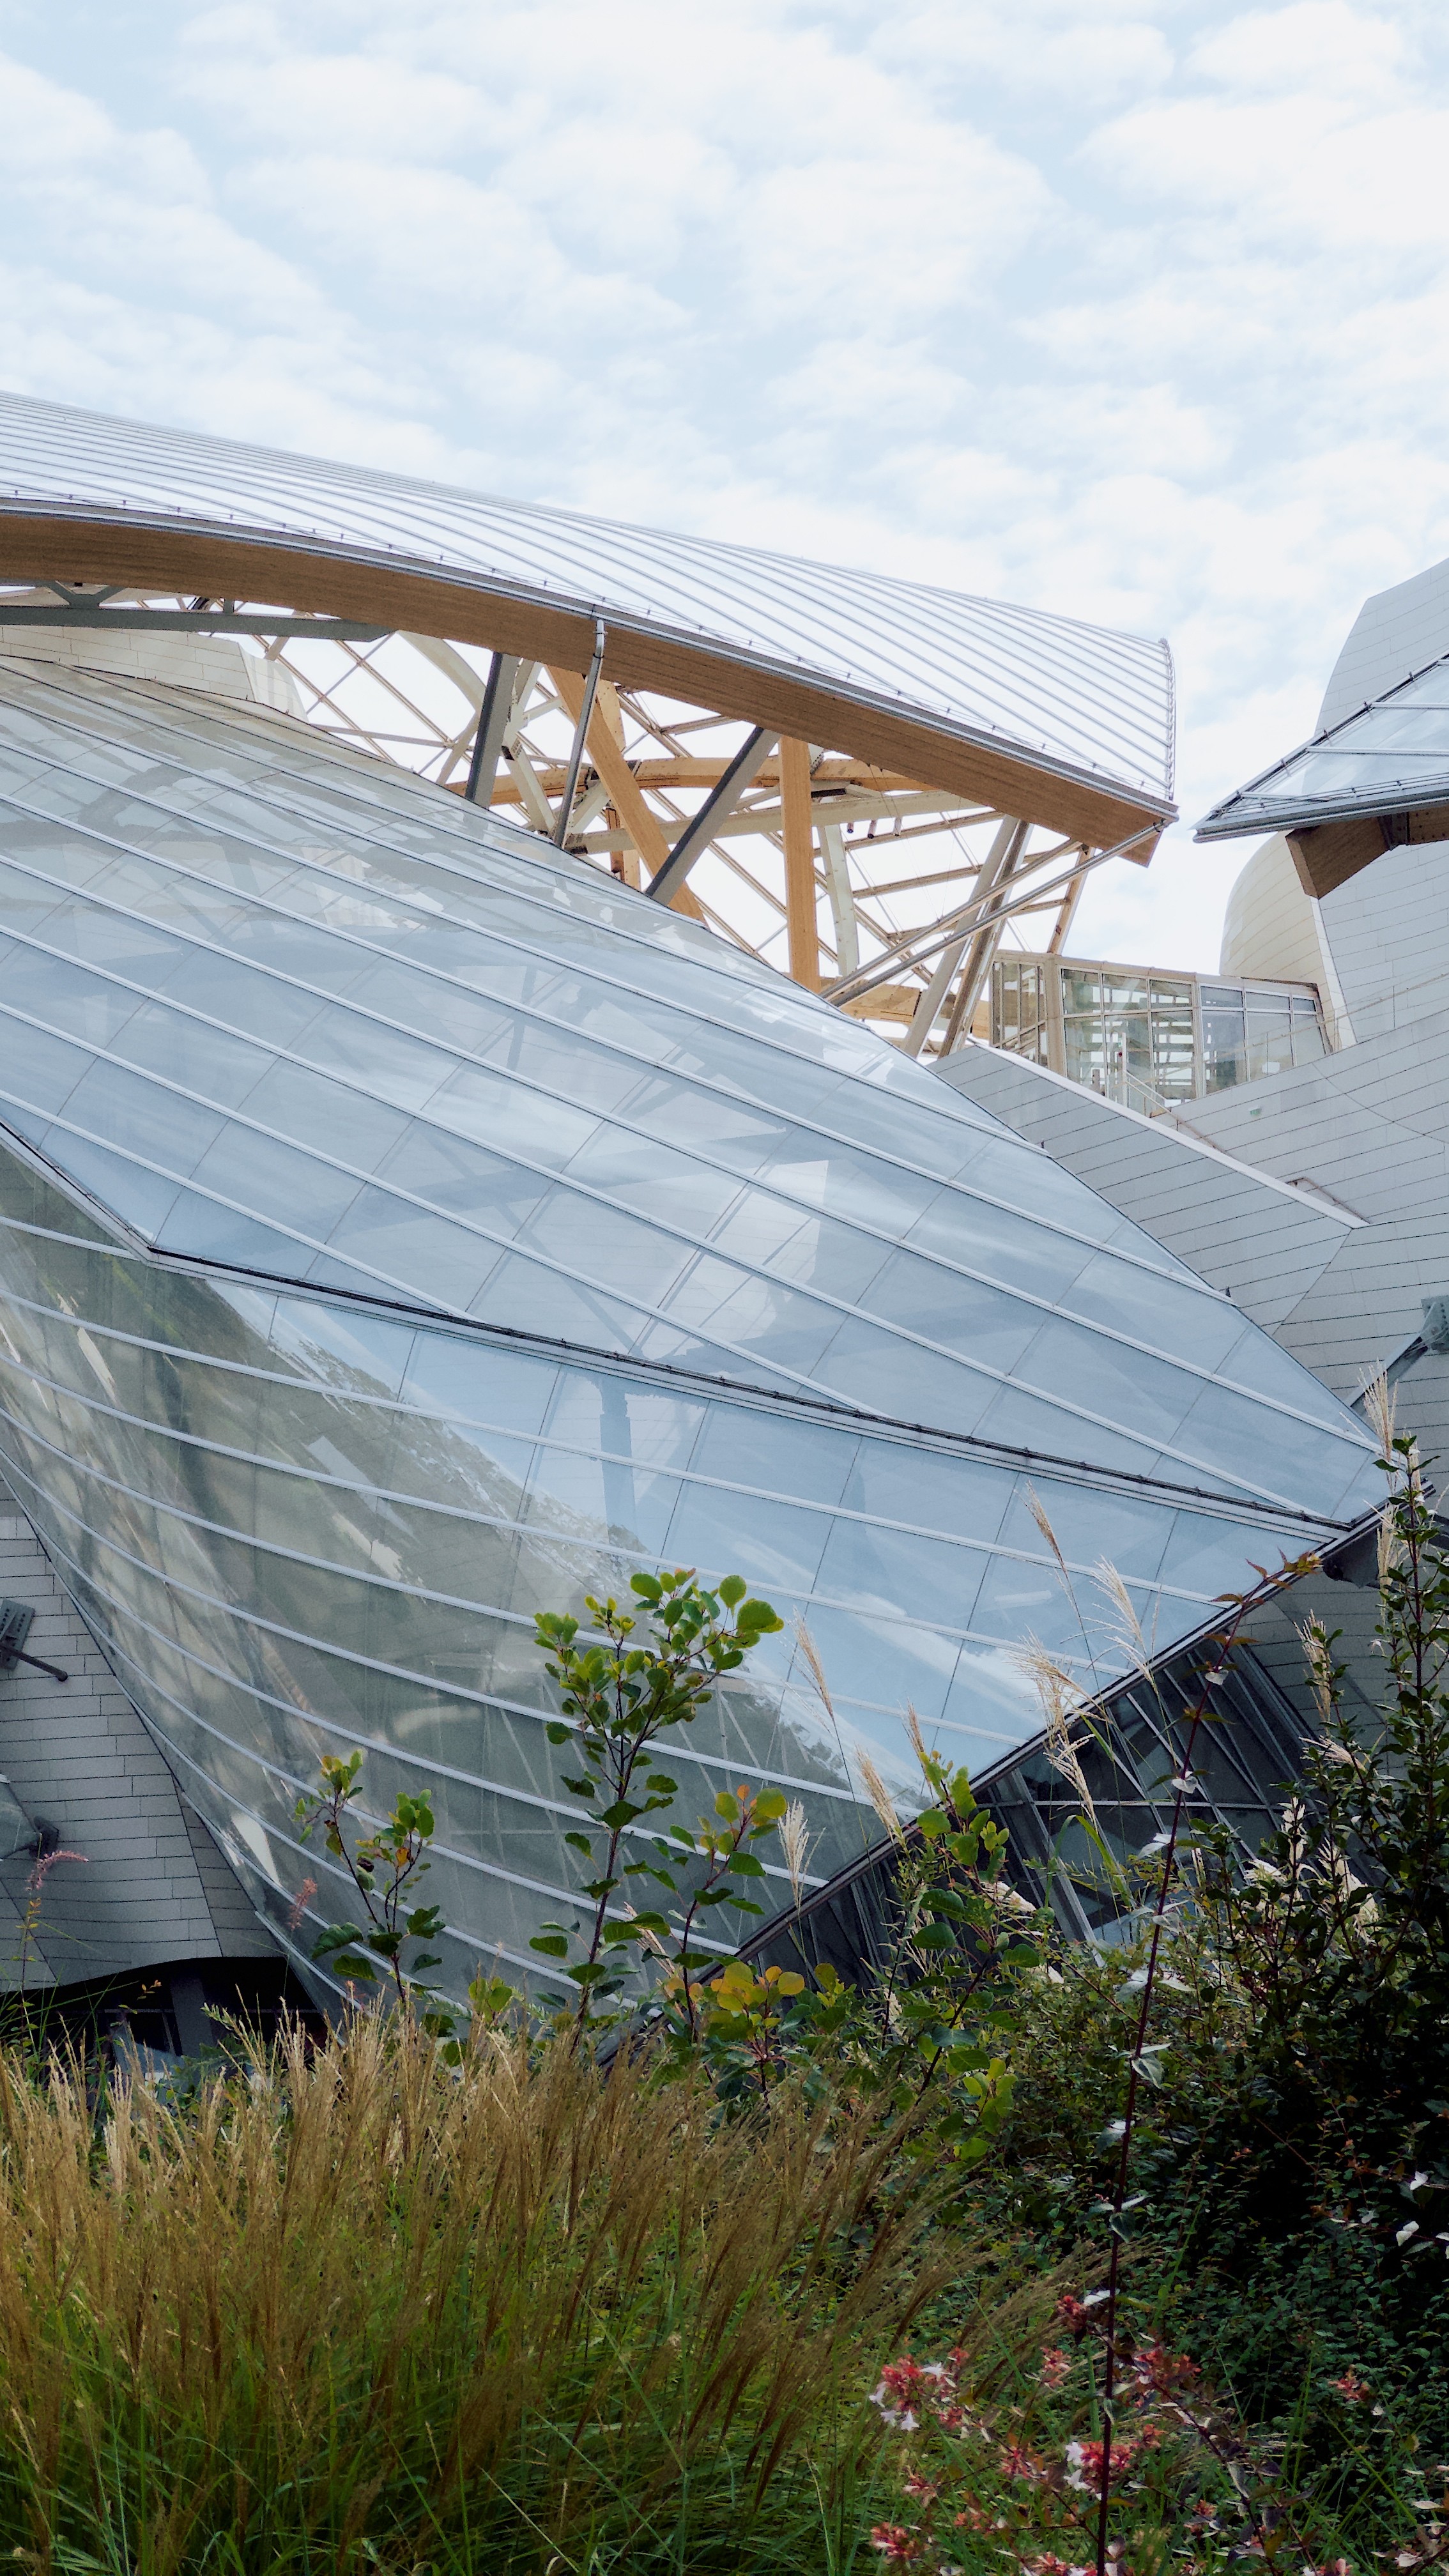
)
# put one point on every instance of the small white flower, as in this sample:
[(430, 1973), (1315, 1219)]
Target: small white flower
[(1403, 2234), (1417, 2182)]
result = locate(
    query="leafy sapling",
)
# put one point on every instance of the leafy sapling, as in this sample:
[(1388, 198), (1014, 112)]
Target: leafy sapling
[(645, 1672), (385, 1866), (712, 1859)]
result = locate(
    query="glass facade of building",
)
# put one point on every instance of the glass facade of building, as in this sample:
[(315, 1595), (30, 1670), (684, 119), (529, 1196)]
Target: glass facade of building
[(1145, 1039), (403, 1229)]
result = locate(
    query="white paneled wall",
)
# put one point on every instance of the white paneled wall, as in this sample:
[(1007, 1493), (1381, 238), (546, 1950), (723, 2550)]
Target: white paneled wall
[(151, 1884)]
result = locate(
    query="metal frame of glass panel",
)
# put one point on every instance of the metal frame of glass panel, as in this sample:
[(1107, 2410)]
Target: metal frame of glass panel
[(401, 1233), (1149, 1040), (1131, 1744)]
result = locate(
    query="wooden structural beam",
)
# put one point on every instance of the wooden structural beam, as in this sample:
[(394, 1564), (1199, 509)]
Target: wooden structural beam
[(1326, 855), (607, 755), (800, 915), (89, 542)]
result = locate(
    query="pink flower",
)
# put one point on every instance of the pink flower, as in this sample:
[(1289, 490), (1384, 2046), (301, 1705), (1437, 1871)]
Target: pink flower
[(902, 2383), (1017, 2462), (1164, 2372), (1055, 2364), (1351, 2388), (1085, 2463), (1073, 2313), (894, 2542)]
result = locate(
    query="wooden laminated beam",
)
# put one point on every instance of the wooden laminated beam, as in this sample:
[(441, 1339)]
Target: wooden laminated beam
[(1328, 854), (800, 916), (76, 543), (885, 1002)]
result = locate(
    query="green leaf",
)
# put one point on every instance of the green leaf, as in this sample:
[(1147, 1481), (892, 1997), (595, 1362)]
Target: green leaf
[(759, 1619), (582, 1843), (552, 1944)]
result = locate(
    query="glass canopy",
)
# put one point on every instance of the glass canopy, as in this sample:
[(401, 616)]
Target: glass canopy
[(1387, 758), (402, 1230)]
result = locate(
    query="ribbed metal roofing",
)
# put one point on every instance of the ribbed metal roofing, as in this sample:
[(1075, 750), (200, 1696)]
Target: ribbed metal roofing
[(1067, 700)]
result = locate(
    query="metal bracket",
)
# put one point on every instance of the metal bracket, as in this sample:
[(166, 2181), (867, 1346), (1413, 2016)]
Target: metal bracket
[(697, 834), (493, 718), (581, 735), (15, 1619)]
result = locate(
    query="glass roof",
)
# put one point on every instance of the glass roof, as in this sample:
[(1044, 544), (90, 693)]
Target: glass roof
[(1081, 701), (278, 1009), (1387, 758), (300, 1526)]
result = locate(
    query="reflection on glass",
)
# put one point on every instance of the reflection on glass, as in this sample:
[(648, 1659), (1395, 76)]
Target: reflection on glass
[(299, 1527)]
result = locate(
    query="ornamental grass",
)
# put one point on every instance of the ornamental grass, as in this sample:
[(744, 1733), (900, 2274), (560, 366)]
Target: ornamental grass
[(350, 2308)]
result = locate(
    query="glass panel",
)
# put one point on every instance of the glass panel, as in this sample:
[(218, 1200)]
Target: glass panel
[(1086, 1051), (1270, 1041), (1172, 1052), (1224, 1044)]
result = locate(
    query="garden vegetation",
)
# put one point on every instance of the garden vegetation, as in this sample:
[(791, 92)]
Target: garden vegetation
[(1023, 2257)]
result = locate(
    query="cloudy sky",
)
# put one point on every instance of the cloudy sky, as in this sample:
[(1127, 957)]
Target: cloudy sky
[(1137, 309)]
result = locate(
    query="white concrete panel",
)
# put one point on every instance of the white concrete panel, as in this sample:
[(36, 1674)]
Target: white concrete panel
[(1387, 930), (216, 664)]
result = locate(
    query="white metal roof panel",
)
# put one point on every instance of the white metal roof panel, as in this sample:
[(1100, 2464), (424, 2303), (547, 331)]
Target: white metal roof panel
[(1078, 700)]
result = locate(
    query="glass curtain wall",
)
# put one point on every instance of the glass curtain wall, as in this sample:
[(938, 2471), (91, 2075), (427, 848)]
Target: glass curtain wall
[(1145, 1039)]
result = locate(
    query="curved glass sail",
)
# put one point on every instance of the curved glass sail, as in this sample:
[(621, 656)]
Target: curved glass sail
[(404, 1231)]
